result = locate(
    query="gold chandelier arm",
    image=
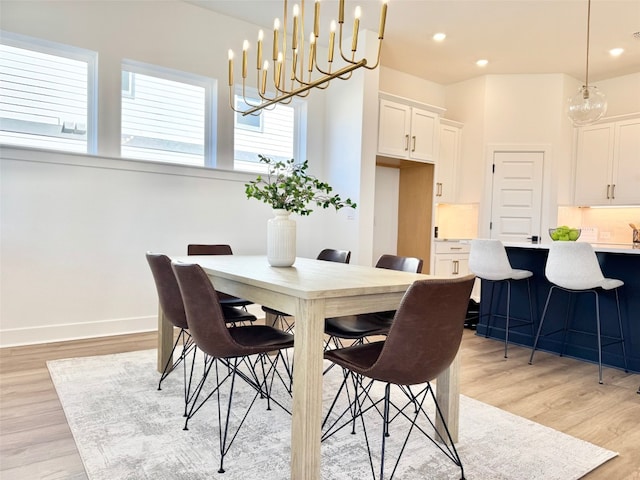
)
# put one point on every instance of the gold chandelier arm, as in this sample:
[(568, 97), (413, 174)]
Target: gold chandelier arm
[(305, 88)]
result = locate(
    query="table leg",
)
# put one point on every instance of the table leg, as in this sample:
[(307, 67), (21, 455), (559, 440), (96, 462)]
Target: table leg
[(448, 397), (307, 390), (165, 340)]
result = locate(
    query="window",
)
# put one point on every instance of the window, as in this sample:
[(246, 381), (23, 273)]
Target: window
[(165, 115), (274, 133), (46, 94)]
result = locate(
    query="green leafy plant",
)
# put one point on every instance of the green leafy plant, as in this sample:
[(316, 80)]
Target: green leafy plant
[(288, 186)]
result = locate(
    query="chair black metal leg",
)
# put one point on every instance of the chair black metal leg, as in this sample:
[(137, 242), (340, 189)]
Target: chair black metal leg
[(624, 353), (506, 328), (599, 338), (544, 313)]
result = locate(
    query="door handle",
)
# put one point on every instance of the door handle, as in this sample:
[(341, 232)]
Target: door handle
[(406, 142), (413, 149), (613, 191), (456, 268), (608, 188)]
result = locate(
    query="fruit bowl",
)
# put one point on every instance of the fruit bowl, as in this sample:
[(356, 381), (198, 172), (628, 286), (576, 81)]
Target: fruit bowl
[(565, 234)]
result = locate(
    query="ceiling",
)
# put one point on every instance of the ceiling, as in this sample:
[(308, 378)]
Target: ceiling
[(516, 36)]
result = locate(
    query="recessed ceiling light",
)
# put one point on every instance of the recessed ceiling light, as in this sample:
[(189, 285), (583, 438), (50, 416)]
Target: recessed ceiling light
[(438, 37), (616, 52), (482, 62)]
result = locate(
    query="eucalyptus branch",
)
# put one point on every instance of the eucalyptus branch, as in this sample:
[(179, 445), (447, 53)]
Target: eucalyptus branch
[(288, 186)]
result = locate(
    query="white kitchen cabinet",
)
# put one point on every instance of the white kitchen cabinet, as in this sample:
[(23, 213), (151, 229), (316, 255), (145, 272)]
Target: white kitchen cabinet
[(448, 160), (608, 164), (405, 130), (451, 259)]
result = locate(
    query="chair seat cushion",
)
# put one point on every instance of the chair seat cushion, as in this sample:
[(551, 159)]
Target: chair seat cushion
[(357, 326), (275, 312), (520, 274), (230, 301), (233, 315), (611, 283), (358, 358), (261, 338)]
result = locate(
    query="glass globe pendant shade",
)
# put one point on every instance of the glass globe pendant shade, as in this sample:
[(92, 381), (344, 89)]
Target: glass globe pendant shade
[(587, 106)]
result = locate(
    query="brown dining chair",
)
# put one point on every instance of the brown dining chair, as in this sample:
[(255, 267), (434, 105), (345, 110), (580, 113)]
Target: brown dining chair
[(170, 301), (231, 347), (218, 249), (329, 255), (358, 327), (422, 341)]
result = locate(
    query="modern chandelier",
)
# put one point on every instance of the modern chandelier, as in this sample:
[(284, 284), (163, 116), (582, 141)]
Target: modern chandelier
[(588, 105), (295, 72)]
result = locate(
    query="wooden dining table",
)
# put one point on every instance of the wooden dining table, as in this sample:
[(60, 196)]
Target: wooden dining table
[(312, 290)]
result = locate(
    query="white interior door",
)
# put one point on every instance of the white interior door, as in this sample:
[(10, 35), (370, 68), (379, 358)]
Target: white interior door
[(516, 206)]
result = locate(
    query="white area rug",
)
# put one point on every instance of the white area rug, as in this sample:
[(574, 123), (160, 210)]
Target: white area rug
[(126, 429)]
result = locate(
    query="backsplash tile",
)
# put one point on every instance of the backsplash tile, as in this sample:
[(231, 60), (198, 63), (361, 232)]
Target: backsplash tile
[(457, 221), (611, 224)]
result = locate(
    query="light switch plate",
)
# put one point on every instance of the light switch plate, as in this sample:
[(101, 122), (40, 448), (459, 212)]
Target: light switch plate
[(589, 235)]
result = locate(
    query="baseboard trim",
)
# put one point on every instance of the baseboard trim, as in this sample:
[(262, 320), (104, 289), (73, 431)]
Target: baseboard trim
[(76, 331)]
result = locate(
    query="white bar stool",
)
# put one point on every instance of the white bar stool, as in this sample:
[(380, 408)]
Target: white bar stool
[(574, 268), (488, 261)]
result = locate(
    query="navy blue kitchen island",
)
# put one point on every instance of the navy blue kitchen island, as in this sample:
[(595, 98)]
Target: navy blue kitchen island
[(616, 261)]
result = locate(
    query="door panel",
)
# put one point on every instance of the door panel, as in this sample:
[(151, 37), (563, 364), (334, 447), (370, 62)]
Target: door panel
[(516, 205)]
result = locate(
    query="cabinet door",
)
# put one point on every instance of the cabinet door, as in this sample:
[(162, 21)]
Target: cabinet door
[(393, 129), (423, 135), (626, 163), (451, 265), (593, 165), (448, 152)]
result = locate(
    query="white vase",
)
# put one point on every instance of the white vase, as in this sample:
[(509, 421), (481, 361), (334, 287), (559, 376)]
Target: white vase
[(281, 239)]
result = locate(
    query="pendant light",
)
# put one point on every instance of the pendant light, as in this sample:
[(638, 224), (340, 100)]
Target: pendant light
[(588, 105)]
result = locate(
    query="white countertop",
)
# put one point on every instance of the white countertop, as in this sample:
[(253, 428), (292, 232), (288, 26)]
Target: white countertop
[(626, 248)]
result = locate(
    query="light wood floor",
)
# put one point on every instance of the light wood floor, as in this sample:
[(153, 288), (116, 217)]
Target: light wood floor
[(36, 443)]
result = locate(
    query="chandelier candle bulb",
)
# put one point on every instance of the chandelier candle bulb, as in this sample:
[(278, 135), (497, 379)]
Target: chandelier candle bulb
[(332, 39), (259, 48), (294, 64), (230, 68), (263, 87), (245, 47), (356, 27), (316, 19), (276, 27), (294, 36), (278, 71), (383, 19), (312, 51)]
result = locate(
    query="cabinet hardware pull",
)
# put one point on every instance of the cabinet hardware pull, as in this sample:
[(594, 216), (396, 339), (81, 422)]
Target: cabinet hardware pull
[(608, 187), (455, 267), (440, 189), (406, 142), (413, 149), (455, 248), (613, 191)]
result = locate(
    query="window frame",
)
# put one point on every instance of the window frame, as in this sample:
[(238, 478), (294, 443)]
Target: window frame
[(209, 85), (299, 106), (57, 49)]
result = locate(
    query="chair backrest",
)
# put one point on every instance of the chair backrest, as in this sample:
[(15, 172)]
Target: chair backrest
[(199, 249), (169, 295), (426, 332), (488, 259), (403, 264), (573, 265), (331, 255), (204, 314)]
